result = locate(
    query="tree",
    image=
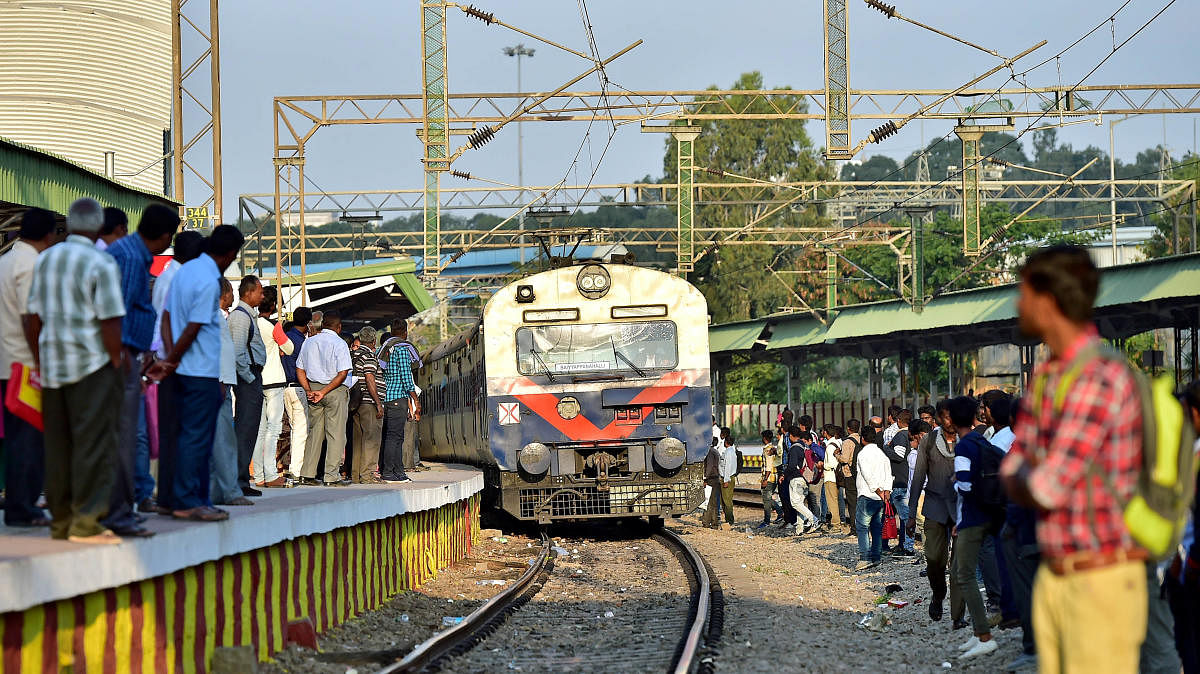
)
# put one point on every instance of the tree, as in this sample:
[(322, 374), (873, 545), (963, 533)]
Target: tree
[(734, 278), (756, 383), (878, 167)]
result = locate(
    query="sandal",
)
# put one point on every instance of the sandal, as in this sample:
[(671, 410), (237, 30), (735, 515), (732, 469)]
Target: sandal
[(201, 514)]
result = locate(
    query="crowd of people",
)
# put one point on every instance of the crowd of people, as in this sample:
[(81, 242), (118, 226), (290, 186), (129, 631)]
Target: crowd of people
[(187, 364), (1027, 496)]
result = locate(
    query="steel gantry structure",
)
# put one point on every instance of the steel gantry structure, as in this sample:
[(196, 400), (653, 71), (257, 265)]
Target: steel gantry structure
[(196, 109)]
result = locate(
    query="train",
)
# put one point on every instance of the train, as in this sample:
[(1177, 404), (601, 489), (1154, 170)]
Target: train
[(582, 392)]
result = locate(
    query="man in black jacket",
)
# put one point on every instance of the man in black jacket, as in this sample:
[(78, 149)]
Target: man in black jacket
[(897, 452), (712, 478)]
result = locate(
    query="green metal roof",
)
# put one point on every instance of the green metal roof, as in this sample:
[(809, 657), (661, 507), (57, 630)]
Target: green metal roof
[(1133, 298), (734, 336), (797, 332), (401, 271), (33, 177)]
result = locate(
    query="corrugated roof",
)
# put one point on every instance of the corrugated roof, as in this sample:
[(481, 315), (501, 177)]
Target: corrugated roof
[(734, 336), (797, 332), (33, 177)]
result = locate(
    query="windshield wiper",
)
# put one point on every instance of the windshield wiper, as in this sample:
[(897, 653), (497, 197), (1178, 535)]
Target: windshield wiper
[(623, 357), (549, 375)]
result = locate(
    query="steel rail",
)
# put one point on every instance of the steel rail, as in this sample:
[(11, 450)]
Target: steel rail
[(442, 644), (701, 601)]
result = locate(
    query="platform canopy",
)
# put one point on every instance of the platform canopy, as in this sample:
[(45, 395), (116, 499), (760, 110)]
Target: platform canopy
[(31, 177), (1133, 298), (364, 294)]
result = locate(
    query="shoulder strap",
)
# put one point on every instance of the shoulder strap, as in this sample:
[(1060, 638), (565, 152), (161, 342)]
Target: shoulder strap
[(249, 332)]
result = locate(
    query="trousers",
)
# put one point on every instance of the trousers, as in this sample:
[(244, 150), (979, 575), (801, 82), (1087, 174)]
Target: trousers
[(768, 499), (831, 502), (121, 498), (868, 518), (966, 560), (367, 429), (802, 497), (223, 484), (391, 463), (851, 502), (1185, 609), (938, 558), (327, 424), (248, 408), (1090, 621), (197, 403), (25, 467), (1158, 654), (1021, 562), (295, 405), (168, 442), (270, 423), (81, 445)]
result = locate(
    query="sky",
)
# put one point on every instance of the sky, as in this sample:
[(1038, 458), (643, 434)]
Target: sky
[(306, 47)]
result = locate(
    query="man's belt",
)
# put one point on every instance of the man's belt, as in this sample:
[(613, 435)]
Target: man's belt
[(1088, 561)]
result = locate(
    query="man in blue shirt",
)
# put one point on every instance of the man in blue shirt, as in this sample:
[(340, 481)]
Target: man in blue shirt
[(134, 255), (193, 322), (396, 360)]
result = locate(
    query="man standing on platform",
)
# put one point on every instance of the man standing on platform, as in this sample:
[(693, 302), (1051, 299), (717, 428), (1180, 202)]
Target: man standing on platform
[(223, 487), (134, 255), (295, 404), (367, 416), (396, 360), (322, 369), (248, 394), (25, 458), (194, 322), (1076, 460), (276, 345), (74, 335)]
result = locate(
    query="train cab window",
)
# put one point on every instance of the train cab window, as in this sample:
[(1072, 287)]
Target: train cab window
[(631, 416), (668, 414), (600, 347)]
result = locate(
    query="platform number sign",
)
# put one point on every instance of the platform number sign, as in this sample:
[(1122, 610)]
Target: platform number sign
[(197, 217), (509, 413)]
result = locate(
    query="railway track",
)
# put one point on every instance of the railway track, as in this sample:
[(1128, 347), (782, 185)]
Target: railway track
[(699, 631)]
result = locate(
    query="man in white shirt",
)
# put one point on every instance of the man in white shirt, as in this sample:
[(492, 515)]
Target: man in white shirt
[(322, 368), (893, 417), (874, 484), (274, 382), (23, 443)]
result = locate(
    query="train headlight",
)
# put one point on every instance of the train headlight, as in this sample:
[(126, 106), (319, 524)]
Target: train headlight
[(535, 458), (593, 281), (670, 453)]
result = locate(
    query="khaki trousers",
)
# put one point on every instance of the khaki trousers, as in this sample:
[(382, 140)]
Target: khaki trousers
[(327, 424), (367, 434), (1090, 621), (831, 502)]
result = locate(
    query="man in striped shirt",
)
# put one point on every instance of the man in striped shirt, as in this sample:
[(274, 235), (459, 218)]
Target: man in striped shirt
[(74, 332)]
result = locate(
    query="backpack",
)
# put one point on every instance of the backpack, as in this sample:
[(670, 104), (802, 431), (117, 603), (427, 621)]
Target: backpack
[(1157, 513), (988, 488)]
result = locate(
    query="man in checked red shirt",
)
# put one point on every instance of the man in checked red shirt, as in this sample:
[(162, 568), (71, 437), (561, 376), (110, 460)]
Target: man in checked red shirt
[(1089, 596)]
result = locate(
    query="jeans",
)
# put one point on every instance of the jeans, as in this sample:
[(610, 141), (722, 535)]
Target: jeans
[(270, 423), (121, 498), (966, 553), (223, 483), (81, 446), (868, 518), (25, 467), (900, 504), (143, 482), (391, 460), (295, 404), (197, 403), (812, 499), (768, 499), (1022, 562), (1158, 654), (248, 407)]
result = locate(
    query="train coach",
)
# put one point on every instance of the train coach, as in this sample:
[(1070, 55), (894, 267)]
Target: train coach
[(582, 392)]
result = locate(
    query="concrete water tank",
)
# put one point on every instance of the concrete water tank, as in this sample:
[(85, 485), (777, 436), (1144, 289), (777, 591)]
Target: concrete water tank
[(82, 78)]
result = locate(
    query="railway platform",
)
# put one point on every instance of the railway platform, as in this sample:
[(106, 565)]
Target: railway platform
[(309, 555)]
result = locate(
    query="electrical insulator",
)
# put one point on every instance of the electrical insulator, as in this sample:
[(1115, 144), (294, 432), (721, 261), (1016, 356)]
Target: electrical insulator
[(717, 172), (486, 17), (481, 137), (889, 10), (998, 162), (884, 131), (461, 174)]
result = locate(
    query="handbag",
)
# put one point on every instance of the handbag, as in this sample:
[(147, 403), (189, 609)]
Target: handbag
[(891, 530), (23, 397)]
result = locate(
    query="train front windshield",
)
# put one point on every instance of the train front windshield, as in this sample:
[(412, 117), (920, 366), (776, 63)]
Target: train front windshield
[(601, 347)]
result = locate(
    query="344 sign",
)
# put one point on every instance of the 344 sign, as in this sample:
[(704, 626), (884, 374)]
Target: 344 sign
[(197, 217)]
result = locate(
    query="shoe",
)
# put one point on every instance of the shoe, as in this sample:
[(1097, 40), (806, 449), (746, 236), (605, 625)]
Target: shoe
[(33, 523), (239, 501), (1009, 623), (1024, 661), (904, 552), (409, 479), (778, 520), (133, 532), (339, 483), (201, 514), (148, 505), (250, 491), (981, 648), (371, 479), (935, 610), (308, 482), (994, 619), (968, 644), (863, 565), (139, 518), (277, 482), (960, 623), (105, 537)]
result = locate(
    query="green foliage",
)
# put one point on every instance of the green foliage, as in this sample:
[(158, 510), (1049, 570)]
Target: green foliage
[(819, 390), (756, 383), (1163, 242)]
